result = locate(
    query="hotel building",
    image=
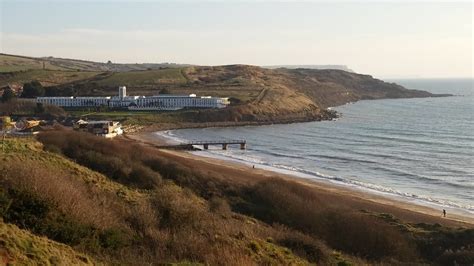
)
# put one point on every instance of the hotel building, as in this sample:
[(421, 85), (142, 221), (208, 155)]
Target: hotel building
[(160, 102)]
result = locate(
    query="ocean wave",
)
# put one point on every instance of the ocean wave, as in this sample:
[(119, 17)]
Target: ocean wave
[(304, 173), (169, 135), (344, 159), (399, 139), (282, 155), (385, 156), (419, 177)]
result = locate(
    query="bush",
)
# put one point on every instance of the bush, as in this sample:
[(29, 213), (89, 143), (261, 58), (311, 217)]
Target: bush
[(144, 176), (285, 202), (124, 163), (17, 106), (304, 246), (32, 90), (23, 209), (178, 209), (462, 257), (219, 205), (7, 95), (112, 238)]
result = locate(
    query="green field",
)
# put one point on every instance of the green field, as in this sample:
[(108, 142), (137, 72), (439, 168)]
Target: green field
[(141, 118), (47, 77), (14, 63), (145, 78)]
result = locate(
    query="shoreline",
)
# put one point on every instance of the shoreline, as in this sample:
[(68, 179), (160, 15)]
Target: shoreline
[(401, 207), (190, 125), (305, 177)]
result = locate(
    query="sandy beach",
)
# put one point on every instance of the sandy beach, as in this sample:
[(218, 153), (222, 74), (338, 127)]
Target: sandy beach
[(346, 196)]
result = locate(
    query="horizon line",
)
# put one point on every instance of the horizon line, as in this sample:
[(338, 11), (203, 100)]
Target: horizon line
[(247, 64)]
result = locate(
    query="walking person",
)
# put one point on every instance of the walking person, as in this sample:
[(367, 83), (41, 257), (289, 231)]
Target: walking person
[(444, 213)]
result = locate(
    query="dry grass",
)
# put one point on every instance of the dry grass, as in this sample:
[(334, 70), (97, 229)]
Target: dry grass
[(195, 216), (117, 224), (66, 192)]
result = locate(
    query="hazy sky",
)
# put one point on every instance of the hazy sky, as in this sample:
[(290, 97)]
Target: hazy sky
[(385, 39)]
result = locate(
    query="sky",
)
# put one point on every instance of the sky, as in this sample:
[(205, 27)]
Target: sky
[(387, 39)]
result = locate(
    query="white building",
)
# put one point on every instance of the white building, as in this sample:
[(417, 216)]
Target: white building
[(160, 102), (75, 101), (175, 102), (122, 91), (107, 129)]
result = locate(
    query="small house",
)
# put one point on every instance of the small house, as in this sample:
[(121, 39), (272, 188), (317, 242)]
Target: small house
[(107, 129)]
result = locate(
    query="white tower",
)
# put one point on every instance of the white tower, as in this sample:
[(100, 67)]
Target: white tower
[(122, 92)]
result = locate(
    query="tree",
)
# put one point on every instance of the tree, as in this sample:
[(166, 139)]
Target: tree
[(32, 90), (8, 94), (234, 101), (39, 108), (51, 91)]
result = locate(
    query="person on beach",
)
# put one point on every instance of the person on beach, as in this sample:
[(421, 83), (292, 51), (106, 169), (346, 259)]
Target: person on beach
[(253, 166), (444, 213)]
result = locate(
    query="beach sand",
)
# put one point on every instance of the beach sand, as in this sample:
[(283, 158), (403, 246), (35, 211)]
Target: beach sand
[(346, 196)]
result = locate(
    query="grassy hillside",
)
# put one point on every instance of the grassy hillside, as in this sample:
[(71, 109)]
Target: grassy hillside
[(11, 63), (144, 78), (46, 77), (20, 247), (128, 216), (119, 202)]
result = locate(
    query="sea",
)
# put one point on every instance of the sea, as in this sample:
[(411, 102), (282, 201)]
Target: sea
[(419, 150)]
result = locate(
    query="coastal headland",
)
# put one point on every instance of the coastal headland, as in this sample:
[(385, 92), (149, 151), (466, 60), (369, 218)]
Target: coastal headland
[(257, 95)]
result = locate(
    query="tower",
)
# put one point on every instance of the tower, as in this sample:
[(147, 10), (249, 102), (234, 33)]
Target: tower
[(122, 92)]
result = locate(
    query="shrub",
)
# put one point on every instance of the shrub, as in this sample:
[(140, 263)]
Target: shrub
[(32, 89), (178, 209), (219, 205), (18, 106), (144, 176), (23, 209), (8, 95), (112, 238), (288, 203), (304, 246), (123, 163), (41, 217), (462, 257)]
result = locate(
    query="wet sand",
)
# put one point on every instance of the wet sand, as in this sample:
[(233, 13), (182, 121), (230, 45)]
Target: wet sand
[(342, 195)]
